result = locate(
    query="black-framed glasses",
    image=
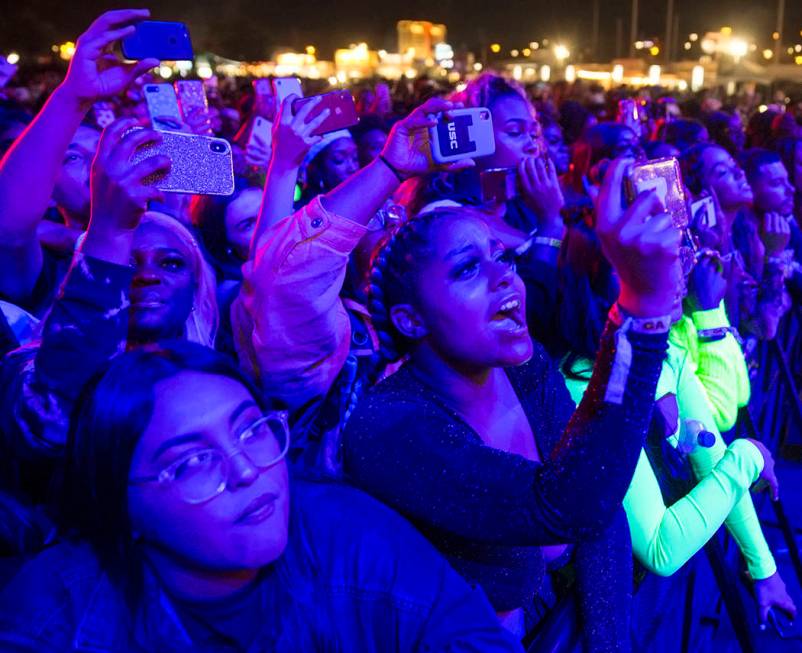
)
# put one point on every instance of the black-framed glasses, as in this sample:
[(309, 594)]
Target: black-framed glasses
[(202, 474)]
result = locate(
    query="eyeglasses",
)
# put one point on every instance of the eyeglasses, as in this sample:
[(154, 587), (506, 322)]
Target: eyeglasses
[(201, 475), (391, 217)]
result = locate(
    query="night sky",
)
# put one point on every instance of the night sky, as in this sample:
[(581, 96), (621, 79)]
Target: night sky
[(251, 29)]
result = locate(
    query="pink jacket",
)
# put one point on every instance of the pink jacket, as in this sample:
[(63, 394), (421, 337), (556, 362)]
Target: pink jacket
[(291, 329)]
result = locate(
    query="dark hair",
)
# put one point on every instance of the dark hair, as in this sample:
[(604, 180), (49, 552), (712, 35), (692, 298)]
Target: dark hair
[(758, 129), (718, 126), (113, 411), (574, 119), (587, 289), (393, 277), (208, 215), (786, 148), (692, 166), (753, 160), (599, 142), (489, 88), (683, 134)]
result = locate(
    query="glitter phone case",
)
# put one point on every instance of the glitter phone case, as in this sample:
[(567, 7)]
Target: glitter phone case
[(163, 108), (662, 176), (201, 165), (191, 96), (468, 133)]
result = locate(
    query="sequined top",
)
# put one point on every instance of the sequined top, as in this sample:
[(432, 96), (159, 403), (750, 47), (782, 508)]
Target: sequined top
[(488, 510)]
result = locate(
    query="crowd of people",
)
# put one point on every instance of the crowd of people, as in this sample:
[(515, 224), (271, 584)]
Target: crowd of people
[(469, 408)]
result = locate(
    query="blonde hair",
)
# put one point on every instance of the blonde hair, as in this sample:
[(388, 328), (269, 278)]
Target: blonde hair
[(202, 322)]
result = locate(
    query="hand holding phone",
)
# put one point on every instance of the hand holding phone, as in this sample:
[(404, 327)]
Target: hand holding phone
[(201, 165), (462, 134), (340, 105), (94, 74), (641, 243)]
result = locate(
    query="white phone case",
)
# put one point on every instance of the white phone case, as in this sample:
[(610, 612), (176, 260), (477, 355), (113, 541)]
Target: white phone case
[(163, 106), (467, 135)]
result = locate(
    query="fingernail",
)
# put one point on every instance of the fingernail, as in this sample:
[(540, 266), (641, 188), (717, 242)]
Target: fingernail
[(762, 626)]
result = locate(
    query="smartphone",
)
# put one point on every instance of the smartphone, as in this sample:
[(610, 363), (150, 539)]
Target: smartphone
[(499, 185), (158, 39), (283, 87), (165, 114), (201, 165), (262, 128), (191, 98), (468, 133), (342, 111), (703, 212), (662, 176), (103, 113)]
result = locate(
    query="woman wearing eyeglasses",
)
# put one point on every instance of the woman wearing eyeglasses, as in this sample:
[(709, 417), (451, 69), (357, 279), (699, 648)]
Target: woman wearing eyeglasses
[(189, 535)]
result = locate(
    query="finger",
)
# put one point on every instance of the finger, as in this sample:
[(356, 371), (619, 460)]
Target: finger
[(116, 18), (421, 117), (459, 165), (774, 487), (303, 113), (311, 126), (763, 614), (285, 110), (111, 137), (647, 205), (609, 208), (147, 167), (140, 68), (539, 168), (95, 46)]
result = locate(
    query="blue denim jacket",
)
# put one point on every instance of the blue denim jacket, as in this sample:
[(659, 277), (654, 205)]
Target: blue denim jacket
[(377, 583)]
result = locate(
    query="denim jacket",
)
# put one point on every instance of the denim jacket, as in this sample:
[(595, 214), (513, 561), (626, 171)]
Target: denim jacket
[(359, 577)]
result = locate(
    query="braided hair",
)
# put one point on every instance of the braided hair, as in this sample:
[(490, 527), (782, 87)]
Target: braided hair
[(394, 275)]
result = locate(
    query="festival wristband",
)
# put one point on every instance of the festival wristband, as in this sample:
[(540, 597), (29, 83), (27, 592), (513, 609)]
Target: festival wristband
[(616, 384)]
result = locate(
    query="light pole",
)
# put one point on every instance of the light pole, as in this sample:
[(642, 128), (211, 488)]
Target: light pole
[(633, 32), (780, 20)]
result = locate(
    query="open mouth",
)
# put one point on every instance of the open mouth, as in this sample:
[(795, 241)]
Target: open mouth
[(509, 316)]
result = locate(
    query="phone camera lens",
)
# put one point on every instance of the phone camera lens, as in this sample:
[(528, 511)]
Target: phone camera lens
[(484, 115), (218, 147), (150, 88)]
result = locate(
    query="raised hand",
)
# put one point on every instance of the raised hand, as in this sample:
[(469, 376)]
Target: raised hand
[(775, 232), (119, 193), (641, 244), (707, 284), (771, 593), (542, 192), (407, 147), (293, 134), (95, 72)]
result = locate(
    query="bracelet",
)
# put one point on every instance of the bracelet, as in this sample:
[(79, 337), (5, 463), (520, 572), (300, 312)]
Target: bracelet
[(392, 168), (718, 333), (622, 361), (556, 243), (646, 325)]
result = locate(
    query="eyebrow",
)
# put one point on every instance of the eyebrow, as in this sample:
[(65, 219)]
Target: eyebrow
[(187, 438), (456, 252), (174, 442)]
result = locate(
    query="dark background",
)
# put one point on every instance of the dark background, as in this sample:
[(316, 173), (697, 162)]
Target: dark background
[(252, 29)]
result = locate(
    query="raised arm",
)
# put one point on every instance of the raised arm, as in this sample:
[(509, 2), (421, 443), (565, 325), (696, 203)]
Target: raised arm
[(29, 169), (291, 328)]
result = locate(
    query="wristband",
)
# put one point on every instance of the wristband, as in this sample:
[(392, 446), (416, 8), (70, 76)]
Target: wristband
[(392, 168), (622, 362), (556, 243), (718, 333)]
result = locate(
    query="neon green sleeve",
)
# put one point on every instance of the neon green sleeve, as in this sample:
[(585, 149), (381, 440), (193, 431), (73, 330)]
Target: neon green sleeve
[(721, 367), (742, 522), (664, 539)]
